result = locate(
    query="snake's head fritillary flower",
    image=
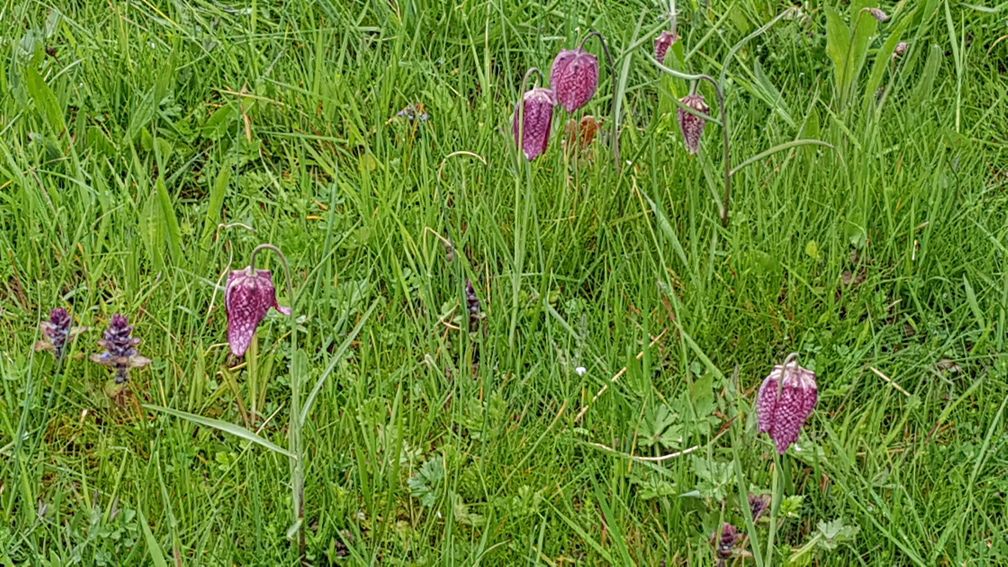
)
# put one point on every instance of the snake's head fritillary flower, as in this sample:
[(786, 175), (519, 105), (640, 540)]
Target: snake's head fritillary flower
[(878, 14), (120, 349), (662, 43), (532, 125), (574, 77), (249, 295), (692, 125), (784, 402), (57, 332)]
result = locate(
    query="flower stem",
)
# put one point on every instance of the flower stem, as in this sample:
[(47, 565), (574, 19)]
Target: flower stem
[(614, 134), (294, 428), (774, 509)]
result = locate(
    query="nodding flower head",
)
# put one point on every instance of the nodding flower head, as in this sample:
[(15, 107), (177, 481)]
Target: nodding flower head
[(120, 349), (574, 78), (533, 121), (57, 332), (662, 44), (692, 126), (249, 295), (878, 14), (784, 402)]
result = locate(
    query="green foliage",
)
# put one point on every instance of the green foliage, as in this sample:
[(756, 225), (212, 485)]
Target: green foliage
[(146, 148)]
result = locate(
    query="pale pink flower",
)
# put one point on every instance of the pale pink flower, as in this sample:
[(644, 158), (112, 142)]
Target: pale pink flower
[(784, 402)]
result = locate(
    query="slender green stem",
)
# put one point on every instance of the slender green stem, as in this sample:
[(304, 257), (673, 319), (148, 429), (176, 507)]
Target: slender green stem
[(614, 132), (774, 509), (294, 428)]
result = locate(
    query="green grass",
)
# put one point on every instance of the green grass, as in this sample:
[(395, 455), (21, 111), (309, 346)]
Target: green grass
[(162, 141)]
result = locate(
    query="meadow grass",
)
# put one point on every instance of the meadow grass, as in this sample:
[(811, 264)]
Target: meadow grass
[(147, 147)]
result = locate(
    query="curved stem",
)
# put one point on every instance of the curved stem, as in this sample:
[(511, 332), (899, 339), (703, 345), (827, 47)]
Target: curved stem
[(614, 134), (748, 38), (294, 428)]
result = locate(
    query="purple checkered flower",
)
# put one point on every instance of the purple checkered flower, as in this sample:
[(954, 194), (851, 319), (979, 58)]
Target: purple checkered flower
[(249, 295), (784, 402), (574, 77), (692, 126), (120, 349), (57, 332), (533, 133), (662, 44)]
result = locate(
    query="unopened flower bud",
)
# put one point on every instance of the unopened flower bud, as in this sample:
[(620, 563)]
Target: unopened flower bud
[(692, 126), (533, 133)]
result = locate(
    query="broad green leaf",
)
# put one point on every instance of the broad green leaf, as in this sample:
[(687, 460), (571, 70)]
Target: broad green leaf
[(46, 103), (229, 428), (837, 46)]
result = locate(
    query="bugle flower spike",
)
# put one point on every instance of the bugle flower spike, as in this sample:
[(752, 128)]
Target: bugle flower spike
[(120, 349)]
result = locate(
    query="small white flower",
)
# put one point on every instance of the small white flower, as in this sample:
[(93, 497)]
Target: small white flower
[(581, 370)]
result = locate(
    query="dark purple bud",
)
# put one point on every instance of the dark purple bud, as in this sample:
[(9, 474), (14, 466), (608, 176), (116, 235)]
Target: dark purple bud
[(759, 504), (249, 295), (56, 332), (692, 125), (574, 78), (533, 135), (784, 402), (120, 349), (662, 44), (474, 306), (878, 14), (900, 51), (726, 542)]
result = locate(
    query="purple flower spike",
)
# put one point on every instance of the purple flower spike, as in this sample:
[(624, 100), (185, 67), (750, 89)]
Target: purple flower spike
[(538, 119), (692, 125), (250, 294), (785, 401), (120, 349), (57, 332), (662, 44), (574, 77), (726, 543)]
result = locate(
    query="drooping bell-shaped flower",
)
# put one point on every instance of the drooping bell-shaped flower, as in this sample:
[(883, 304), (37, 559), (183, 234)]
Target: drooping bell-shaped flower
[(249, 295), (57, 332), (574, 77), (784, 402), (120, 349), (536, 120), (662, 43), (692, 126)]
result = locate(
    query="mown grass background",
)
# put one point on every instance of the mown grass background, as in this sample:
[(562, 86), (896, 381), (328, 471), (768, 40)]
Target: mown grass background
[(147, 147)]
